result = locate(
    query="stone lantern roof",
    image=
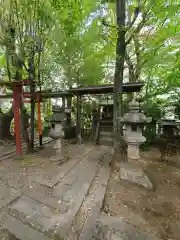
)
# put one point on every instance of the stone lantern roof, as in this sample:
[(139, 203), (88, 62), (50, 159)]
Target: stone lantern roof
[(134, 115), (58, 115), (167, 122)]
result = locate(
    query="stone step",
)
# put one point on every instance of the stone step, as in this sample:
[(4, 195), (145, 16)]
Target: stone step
[(106, 128), (106, 138), (106, 133), (7, 194), (106, 120), (106, 142), (16, 230), (106, 123), (50, 180), (34, 213), (96, 204), (76, 194), (108, 227)]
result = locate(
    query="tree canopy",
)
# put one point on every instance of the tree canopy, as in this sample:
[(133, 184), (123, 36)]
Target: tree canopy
[(73, 43)]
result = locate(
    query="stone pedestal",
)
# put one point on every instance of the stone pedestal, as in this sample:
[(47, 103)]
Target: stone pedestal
[(80, 141), (133, 151), (57, 134), (132, 173), (133, 142), (58, 148), (57, 144)]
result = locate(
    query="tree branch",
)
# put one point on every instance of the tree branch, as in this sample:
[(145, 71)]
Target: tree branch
[(130, 67), (8, 66), (22, 62), (136, 14), (139, 27), (109, 25), (18, 23), (138, 58)]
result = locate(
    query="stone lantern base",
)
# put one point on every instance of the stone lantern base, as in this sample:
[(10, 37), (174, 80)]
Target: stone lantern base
[(58, 145), (57, 134), (130, 172), (60, 155)]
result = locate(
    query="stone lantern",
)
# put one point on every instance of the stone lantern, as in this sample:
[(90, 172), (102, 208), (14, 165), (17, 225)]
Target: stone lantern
[(67, 125), (169, 138), (56, 132), (168, 128), (134, 122)]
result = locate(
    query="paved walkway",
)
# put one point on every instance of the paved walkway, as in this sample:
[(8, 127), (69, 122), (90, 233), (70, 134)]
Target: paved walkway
[(62, 204)]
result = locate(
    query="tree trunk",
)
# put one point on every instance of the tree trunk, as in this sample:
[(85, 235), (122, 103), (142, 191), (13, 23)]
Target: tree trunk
[(119, 148), (22, 110), (13, 61), (24, 126), (5, 123), (32, 91)]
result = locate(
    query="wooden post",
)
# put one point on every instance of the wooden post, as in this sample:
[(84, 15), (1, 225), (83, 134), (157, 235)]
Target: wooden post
[(63, 102), (98, 126), (78, 120), (39, 119), (32, 90), (69, 106), (16, 108)]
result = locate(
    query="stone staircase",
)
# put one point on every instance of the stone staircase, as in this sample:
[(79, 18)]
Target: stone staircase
[(105, 132)]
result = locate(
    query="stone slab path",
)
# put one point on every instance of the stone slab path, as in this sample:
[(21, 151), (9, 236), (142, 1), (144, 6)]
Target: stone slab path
[(63, 204), (111, 228)]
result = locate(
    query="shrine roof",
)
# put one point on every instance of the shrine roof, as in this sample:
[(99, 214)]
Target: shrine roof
[(108, 88), (96, 89)]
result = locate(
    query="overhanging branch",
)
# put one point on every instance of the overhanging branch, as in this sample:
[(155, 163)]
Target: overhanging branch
[(136, 14), (130, 67), (139, 27)]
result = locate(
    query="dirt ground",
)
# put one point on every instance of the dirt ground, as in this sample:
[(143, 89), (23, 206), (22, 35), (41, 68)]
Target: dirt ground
[(155, 211)]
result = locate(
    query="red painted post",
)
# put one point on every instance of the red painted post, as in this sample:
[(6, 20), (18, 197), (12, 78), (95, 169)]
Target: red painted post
[(16, 108)]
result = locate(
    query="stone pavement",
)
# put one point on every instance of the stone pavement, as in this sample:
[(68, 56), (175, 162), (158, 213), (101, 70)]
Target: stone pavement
[(62, 201), (63, 204), (111, 228)]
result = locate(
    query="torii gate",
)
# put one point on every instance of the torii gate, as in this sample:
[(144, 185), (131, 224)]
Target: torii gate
[(18, 97)]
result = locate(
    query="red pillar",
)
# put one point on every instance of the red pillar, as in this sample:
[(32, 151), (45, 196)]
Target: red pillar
[(16, 108)]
